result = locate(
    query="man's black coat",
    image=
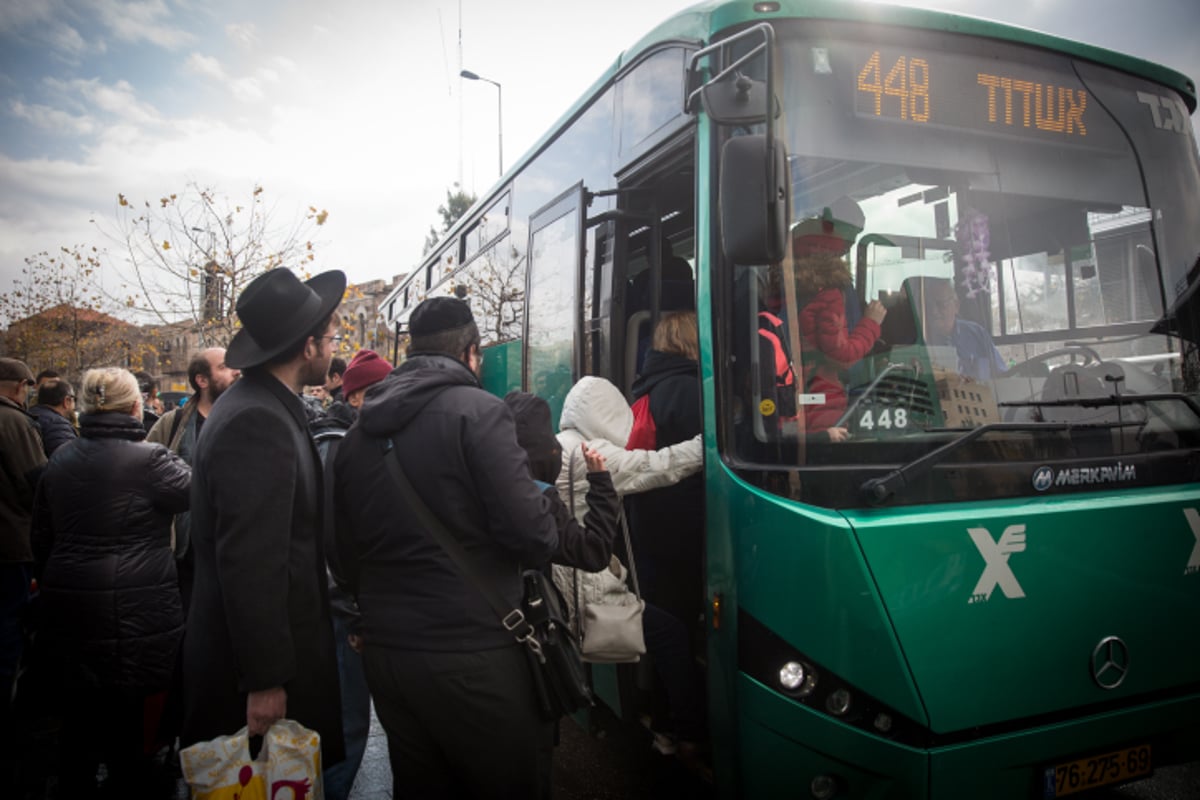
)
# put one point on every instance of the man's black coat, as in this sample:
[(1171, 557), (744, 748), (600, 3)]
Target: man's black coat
[(259, 615)]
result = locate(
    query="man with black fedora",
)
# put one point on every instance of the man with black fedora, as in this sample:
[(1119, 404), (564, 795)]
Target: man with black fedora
[(451, 686), (259, 641)]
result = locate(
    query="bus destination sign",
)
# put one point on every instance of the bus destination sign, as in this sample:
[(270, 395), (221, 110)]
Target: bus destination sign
[(982, 95)]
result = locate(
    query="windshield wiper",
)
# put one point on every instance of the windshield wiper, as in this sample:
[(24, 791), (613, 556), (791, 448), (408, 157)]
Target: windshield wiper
[(876, 491)]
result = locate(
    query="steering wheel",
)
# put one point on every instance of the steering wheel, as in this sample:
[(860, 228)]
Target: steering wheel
[(1033, 367)]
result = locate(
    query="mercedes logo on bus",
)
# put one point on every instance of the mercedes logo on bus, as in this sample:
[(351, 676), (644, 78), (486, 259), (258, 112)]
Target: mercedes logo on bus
[(1110, 662), (1043, 478)]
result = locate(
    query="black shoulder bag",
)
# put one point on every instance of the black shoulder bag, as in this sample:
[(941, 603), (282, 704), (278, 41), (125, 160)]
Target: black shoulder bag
[(539, 624)]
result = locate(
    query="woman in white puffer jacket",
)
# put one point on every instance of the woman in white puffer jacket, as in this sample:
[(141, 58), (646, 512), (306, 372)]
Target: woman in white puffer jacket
[(595, 411)]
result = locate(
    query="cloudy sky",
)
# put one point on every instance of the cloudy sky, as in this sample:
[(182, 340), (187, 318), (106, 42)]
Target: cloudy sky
[(351, 106)]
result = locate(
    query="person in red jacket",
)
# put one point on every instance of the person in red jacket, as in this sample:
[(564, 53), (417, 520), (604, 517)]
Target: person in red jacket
[(828, 345)]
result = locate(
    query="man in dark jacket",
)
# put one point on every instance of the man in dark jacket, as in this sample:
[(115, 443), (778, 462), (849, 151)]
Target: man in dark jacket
[(452, 688), (54, 413), (21, 461), (259, 645)]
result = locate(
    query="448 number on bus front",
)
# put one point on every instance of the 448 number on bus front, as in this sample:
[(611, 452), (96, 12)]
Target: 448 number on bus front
[(1087, 773), (883, 418)]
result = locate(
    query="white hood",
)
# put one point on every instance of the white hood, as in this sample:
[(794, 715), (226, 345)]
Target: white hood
[(596, 409)]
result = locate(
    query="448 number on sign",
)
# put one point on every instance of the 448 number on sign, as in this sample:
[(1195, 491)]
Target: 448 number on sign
[(1088, 773), (883, 418)]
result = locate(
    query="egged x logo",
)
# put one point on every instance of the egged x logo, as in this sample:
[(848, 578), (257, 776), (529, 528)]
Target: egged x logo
[(996, 553), (1193, 520)]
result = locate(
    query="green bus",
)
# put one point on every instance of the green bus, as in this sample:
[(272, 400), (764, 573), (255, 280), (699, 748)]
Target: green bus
[(981, 578)]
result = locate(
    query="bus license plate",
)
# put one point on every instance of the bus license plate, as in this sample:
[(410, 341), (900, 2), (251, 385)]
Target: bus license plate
[(1088, 773)]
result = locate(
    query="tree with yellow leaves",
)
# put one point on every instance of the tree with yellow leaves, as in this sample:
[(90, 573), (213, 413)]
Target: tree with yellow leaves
[(186, 257), (56, 316)]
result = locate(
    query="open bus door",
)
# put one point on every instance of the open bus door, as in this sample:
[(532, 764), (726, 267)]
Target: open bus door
[(552, 350)]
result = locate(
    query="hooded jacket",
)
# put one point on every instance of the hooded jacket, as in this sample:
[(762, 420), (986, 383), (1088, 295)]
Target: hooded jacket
[(586, 545), (595, 412), (102, 528), (458, 448)]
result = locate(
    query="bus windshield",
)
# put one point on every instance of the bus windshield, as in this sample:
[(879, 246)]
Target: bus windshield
[(982, 234)]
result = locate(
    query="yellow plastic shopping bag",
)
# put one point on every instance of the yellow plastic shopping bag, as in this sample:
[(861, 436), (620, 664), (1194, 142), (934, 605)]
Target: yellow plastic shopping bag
[(222, 769), (293, 762), (287, 768)]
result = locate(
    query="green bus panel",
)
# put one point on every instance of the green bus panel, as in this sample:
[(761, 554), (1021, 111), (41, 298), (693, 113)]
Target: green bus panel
[(800, 572), (1000, 609), (502, 368)]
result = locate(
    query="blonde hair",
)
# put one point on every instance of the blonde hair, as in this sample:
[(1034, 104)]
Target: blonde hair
[(109, 389), (677, 334)]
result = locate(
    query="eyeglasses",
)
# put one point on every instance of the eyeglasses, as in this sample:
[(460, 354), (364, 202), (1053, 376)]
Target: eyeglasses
[(334, 339)]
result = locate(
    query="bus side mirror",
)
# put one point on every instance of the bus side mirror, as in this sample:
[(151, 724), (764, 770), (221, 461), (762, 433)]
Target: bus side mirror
[(753, 200), (735, 100)]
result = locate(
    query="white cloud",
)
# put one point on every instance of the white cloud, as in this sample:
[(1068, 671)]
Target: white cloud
[(243, 34), (53, 119), (47, 22), (206, 65), (148, 20), (118, 99), (68, 43), (247, 90)]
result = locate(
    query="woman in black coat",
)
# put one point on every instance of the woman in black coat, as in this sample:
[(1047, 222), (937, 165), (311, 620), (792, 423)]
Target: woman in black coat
[(111, 611), (668, 528)]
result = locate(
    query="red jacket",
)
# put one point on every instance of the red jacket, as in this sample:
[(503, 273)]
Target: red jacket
[(827, 349)]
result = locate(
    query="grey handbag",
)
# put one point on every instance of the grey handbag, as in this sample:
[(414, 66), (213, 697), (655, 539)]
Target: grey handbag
[(610, 631)]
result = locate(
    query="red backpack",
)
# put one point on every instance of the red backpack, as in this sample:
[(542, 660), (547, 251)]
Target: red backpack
[(644, 435)]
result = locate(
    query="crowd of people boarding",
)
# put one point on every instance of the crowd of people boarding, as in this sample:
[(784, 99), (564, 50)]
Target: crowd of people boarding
[(172, 575)]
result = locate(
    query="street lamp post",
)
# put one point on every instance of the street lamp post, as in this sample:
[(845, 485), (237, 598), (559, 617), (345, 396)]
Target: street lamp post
[(471, 76)]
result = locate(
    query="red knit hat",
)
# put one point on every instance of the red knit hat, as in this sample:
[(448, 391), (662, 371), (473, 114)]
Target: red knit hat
[(365, 369)]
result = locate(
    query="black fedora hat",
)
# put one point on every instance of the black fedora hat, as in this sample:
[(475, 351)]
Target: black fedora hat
[(277, 311)]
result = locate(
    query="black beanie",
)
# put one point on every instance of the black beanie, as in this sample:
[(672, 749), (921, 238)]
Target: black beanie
[(439, 314), (535, 434)]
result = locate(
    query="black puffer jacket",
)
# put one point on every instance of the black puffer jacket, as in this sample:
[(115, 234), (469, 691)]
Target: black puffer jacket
[(54, 427), (102, 537)]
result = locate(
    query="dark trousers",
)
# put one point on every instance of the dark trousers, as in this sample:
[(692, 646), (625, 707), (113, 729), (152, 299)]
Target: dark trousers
[(14, 596), (668, 644), (460, 724), (356, 713), (105, 725)]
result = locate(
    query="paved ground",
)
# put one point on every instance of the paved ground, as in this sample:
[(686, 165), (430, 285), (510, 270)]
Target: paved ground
[(374, 780), (617, 764)]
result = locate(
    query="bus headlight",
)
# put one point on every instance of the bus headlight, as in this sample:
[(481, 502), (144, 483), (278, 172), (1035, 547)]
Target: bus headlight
[(798, 678), (823, 787), (838, 702)]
